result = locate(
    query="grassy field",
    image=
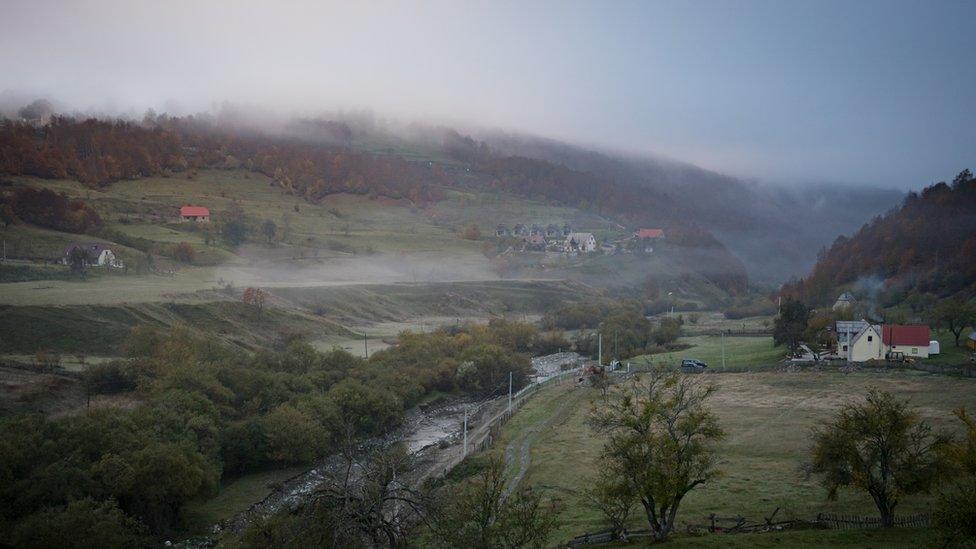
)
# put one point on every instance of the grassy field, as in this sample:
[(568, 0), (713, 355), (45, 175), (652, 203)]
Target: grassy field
[(101, 330), (740, 352), (767, 417), (235, 496)]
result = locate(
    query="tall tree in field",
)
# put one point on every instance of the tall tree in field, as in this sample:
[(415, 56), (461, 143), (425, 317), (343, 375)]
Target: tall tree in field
[(661, 436), (792, 321), (954, 315), (879, 446)]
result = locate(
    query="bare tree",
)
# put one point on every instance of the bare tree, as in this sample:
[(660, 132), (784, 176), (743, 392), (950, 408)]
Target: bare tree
[(660, 438), (367, 503), (475, 514)]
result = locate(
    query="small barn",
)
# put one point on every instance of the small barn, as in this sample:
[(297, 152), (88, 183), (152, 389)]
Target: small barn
[(194, 213)]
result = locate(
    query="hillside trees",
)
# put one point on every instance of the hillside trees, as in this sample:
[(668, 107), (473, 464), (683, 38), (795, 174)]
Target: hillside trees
[(954, 315), (661, 439), (46, 208), (927, 246), (879, 446)]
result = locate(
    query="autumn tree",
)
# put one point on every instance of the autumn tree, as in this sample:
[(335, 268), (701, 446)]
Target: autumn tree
[(955, 316), (880, 446), (472, 232), (184, 252), (255, 297), (661, 438)]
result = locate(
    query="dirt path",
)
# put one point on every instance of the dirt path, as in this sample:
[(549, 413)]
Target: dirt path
[(524, 444)]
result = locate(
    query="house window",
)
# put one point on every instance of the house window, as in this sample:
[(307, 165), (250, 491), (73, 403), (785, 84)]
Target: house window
[(914, 350), (845, 347), (870, 339)]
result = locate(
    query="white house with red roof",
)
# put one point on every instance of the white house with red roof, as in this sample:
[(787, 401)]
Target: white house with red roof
[(877, 342), (194, 213)]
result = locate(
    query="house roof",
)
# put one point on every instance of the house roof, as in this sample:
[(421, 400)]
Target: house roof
[(579, 236), (846, 296), (892, 334), (194, 211), (537, 239), (93, 248), (650, 233), (867, 328)]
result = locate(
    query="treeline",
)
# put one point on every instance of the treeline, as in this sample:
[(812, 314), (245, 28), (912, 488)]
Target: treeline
[(627, 332), (46, 208), (205, 411), (99, 152), (95, 152), (927, 246)]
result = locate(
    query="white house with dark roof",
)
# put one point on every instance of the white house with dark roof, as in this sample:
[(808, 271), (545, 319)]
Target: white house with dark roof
[(580, 242)]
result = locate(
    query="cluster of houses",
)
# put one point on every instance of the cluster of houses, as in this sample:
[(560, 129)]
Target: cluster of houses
[(552, 238)]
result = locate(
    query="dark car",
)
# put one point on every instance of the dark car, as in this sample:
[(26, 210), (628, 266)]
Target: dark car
[(692, 365)]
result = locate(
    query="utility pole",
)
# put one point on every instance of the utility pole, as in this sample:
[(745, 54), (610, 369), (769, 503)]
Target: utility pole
[(464, 451), (723, 349), (599, 352), (509, 391), (365, 345)]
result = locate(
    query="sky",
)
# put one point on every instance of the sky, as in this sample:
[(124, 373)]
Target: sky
[(861, 92)]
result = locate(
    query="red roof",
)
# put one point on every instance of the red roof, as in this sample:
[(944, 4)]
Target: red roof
[(194, 211), (650, 233), (905, 335)]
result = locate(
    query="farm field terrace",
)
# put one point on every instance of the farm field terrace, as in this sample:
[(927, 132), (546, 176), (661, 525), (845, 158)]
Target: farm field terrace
[(767, 417)]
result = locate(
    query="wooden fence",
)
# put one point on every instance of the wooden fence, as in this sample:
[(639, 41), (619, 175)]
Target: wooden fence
[(741, 525), (851, 522)]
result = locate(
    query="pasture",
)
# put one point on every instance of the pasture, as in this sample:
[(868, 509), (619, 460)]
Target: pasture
[(767, 417), (740, 352)]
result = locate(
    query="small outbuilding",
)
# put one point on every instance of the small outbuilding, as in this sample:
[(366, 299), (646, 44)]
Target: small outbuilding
[(194, 213)]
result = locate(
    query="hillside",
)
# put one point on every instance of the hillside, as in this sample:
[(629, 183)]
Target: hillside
[(770, 228), (317, 161), (925, 247)]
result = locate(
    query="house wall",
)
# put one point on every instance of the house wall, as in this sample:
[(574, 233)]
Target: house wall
[(864, 349), (911, 350)]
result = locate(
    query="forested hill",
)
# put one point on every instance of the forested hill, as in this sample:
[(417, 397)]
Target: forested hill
[(314, 159), (927, 246)]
